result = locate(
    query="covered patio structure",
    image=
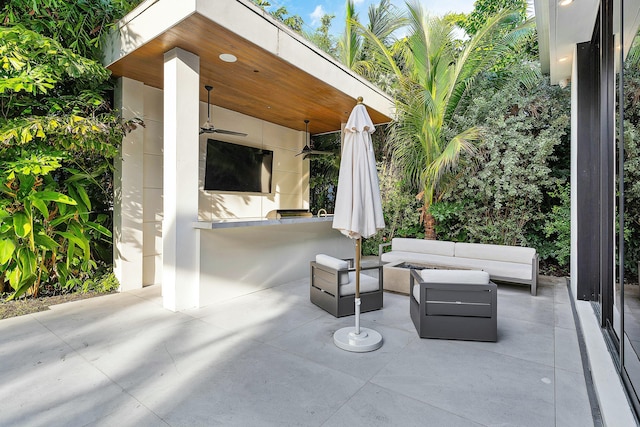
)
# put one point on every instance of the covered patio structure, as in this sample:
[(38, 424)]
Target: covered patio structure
[(208, 246)]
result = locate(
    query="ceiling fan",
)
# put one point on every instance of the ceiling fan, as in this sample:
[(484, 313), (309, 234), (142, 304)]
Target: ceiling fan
[(308, 150), (208, 127)]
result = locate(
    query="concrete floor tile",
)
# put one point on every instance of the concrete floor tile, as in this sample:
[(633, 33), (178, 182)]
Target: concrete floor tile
[(522, 306), (563, 315), (376, 406), (521, 339), (562, 294), (262, 387), (572, 402), (482, 386), (567, 353), (62, 389), (264, 317), (88, 322), (163, 363), (314, 341), (394, 313)]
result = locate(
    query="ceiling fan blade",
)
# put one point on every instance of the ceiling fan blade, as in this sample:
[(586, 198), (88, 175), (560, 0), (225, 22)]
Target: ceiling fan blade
[(229, 132), (305, 150), (204, 129), (208, 126)]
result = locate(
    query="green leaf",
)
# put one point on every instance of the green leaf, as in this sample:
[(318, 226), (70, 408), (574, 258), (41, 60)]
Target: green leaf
[(7, 248), (71, 237), (84, 196), (99, 228), (41, 206), (22, 285), (54, 196), (27, 262), (45, 242), (21, 224)]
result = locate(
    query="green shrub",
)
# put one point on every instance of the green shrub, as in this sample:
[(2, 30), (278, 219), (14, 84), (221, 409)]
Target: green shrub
[(105, 283), (507, 194)]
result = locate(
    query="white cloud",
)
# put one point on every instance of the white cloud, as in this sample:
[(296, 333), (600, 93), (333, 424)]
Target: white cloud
[(357, 2), (317, 14)]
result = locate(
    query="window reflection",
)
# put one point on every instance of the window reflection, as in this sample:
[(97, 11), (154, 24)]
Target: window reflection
[(628, 325)]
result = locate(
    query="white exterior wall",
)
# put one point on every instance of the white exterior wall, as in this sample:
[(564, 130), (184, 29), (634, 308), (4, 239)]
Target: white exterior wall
[(152, 186), (128, 202)]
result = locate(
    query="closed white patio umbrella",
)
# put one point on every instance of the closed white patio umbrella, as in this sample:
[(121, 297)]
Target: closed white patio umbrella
[(358, 212)]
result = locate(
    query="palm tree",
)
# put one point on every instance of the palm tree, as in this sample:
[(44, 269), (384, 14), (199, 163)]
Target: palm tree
[(354, 50), (433, 74)]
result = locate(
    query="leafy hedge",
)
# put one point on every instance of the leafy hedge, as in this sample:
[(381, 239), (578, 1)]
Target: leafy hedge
[(516, 191)]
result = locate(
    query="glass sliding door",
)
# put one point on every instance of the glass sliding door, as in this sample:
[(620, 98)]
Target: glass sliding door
[(626, 304)]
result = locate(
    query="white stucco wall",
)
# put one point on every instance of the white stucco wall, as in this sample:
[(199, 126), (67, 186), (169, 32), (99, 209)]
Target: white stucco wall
[(152, 187)]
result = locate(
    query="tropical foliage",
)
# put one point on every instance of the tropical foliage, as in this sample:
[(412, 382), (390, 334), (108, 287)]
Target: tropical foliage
[(512, 192), (433, 78), (57, 132)]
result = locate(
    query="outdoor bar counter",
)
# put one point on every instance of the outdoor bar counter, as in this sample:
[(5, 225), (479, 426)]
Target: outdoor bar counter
[(238, 257)]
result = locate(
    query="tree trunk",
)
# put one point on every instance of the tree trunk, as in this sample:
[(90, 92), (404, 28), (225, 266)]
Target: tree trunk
[(429, 227)]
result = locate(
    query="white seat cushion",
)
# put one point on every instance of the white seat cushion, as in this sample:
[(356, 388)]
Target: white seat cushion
[(367, 284), (498, 268)]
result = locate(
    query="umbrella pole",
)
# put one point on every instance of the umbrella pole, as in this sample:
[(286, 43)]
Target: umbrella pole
[(357, 300), (357, 339)]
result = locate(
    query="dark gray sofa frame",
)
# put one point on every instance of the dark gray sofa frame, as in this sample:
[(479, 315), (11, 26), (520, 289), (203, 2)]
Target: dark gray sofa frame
[(324, 291), (454, 311)]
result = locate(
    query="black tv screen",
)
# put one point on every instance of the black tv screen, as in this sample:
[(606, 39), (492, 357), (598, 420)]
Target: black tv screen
[(234, 167)]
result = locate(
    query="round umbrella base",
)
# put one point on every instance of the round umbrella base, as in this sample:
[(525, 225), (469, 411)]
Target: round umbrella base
[(366, 340)]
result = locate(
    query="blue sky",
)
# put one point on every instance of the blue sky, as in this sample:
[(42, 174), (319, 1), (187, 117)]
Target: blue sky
[(311, 10)]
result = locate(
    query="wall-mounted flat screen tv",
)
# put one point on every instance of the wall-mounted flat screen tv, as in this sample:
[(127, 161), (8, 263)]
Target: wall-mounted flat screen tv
[(234, 167)]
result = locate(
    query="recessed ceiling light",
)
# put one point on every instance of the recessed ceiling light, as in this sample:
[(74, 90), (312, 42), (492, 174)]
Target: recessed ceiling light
[(227, 57), (565, 2)]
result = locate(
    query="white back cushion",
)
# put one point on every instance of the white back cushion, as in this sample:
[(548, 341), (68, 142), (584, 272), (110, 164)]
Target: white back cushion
[(434, 247), (471, 277), (336, 264), (517, 254)]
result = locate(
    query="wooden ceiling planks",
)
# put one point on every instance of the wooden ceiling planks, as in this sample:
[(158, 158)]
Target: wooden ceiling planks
[(259, 84)]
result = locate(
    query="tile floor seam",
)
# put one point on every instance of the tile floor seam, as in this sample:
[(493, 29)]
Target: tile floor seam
[(516, 357), (306, 359), (344, 404), (422, 402)]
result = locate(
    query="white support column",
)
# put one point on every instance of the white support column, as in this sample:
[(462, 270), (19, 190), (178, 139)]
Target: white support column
[(128, 201), (573, 260), (180, 241)]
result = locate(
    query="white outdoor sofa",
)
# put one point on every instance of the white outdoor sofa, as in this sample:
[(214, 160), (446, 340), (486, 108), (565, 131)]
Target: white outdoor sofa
[(513, 264)]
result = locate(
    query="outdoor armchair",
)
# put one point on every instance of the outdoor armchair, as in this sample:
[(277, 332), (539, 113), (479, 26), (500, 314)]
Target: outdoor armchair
[(453, 304), (333, 286)]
